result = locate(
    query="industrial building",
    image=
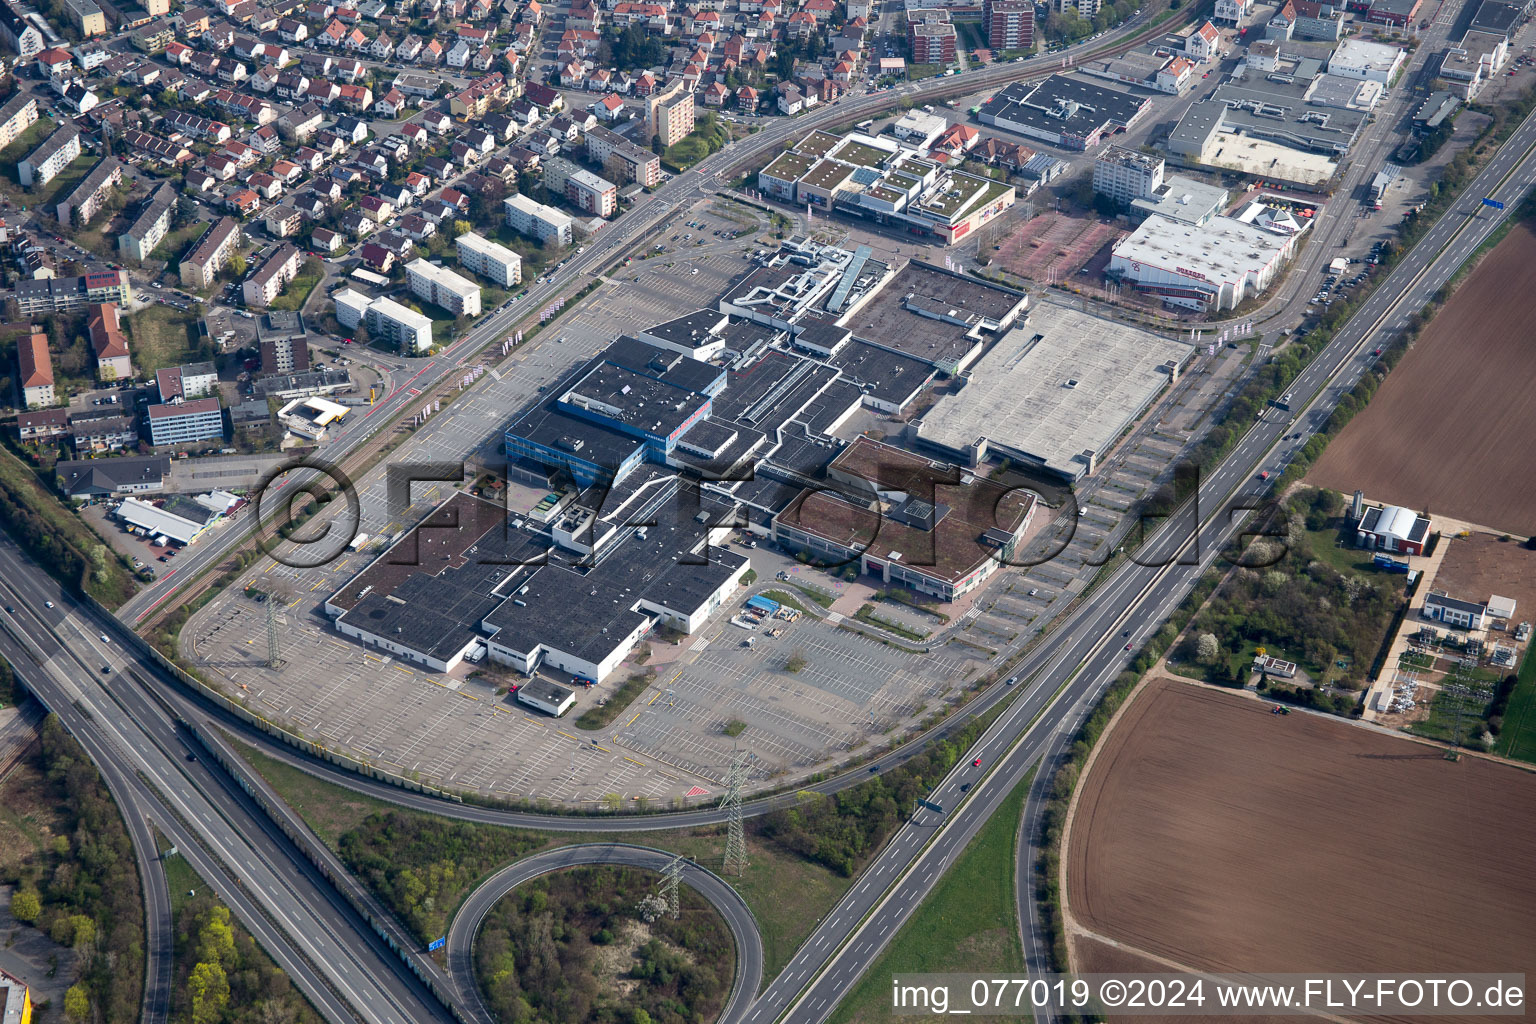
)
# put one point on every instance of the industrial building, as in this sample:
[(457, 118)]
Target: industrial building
[(492, 260), (1063, 111), (1366, 60), (1044, 397), (1390, 528), (100, 478), (442, 287), (550, 698)]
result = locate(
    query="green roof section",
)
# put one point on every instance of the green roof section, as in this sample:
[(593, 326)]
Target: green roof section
[(789, 166)]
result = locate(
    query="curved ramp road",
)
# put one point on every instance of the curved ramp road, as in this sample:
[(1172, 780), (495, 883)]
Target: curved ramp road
[(472, 913)]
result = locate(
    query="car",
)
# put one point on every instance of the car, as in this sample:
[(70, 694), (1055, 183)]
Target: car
[(1011, 680), (191, 757), (10, 609), (1376, 352), (1127, 646), (976, 763), (106, 670), (105, 639), (47, 604), (1033, 591), (1264, 475)]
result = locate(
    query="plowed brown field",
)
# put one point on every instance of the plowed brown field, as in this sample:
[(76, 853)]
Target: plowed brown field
[(1451, 427), (1220, 836)]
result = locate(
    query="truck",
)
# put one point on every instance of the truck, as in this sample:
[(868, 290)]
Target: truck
[(1389, 563), (356, 543)]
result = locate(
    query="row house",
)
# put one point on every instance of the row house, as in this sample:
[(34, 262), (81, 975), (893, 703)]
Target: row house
[(198, 127), (651, 17)]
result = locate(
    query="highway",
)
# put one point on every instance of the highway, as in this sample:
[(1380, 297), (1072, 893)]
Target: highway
[(466, 923), (313, 934)]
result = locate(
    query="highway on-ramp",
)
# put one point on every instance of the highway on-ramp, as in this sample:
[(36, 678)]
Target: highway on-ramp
[(725, 899)]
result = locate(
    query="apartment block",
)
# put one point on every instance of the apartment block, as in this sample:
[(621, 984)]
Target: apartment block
[(52, 155), (442, 287), (621, 159), (1125, 175), (489, 259), (591, 194), (1010, 24), (17, 115), (273, 275), (62, 295), (87, 16), (150, 227), (536, 220), (210, 254), (185, 422), (387, 319), (286, 355), (85, 202), (669, 114)]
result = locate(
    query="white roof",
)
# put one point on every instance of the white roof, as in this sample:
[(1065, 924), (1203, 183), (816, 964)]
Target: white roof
[(1364, 54), (217, 501), (158, 521), (1395, 521), (1222, 249), (1501, 607)]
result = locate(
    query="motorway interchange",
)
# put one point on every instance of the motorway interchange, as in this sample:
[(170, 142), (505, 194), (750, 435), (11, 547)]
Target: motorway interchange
[(131, 722)]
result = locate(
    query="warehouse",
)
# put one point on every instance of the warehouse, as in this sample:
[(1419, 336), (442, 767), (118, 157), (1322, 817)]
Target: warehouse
[(1213, 265), (1055, 392), (1066, 112)]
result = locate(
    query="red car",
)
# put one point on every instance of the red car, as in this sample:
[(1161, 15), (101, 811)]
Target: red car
[(976, 763)]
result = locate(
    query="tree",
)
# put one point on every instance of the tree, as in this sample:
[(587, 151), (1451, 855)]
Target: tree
[(237, 265), (210, 992), (25, 906), (216, 940), (77, 1005), (1207, 649)]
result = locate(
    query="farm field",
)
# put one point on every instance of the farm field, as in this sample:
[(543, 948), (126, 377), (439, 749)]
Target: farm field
[(1472, 368), (1215, 835)]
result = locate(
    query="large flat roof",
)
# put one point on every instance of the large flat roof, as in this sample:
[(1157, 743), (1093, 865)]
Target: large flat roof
[(1222, 249), (1018, 395), (967, 507), (932, 314)]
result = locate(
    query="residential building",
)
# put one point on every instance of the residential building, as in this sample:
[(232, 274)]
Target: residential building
[(932, 41), (1010, 24), (273, 275), (109, 343), (388, 320), (210, 254), (622, 160), (19, 34), (49, 295), (87, 16), (442, 287), (536, 220), (51, 156), (1125, 175), (178, 383), (36, 376), (150, 227), (41, 425), (592, 194), (286, 355), (489, 259), (669, 114), (102, 433), (187, 422), (87, 198)]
